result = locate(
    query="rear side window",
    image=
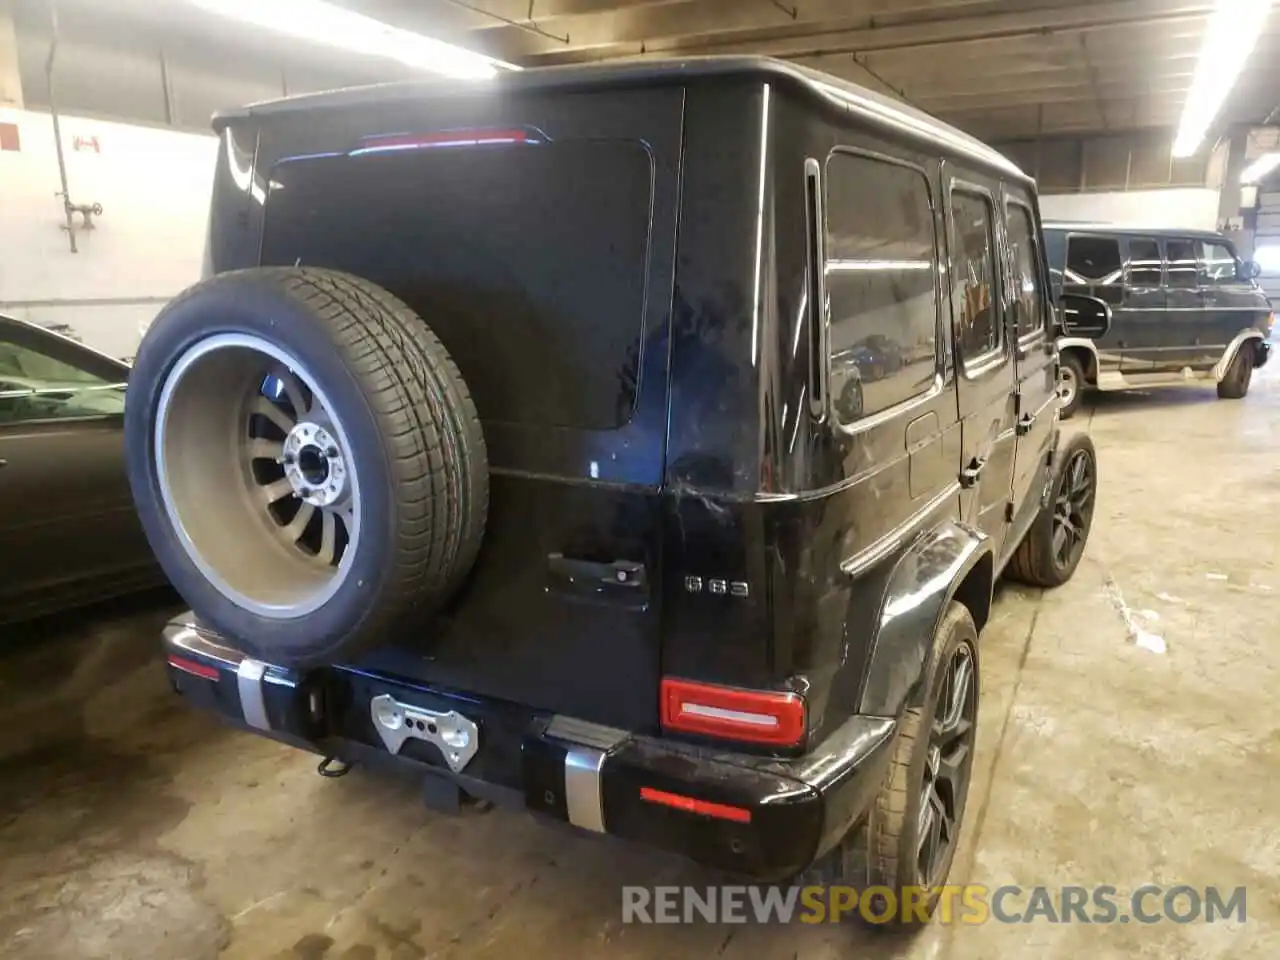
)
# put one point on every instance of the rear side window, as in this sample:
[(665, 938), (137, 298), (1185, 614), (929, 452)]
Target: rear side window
[(1094, 262), (1028, 303), (529, 261), (974, 283), (1218, 263), (1143, 268), (880, 279), (1183, 268)]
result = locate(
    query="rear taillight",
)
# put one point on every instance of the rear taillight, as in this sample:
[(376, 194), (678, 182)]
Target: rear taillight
[(754, 716), (703, 808), (193, 667)]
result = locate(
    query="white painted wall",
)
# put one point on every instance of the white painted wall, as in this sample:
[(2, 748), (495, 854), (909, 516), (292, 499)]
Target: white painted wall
[(1187, 207), (154, 186)]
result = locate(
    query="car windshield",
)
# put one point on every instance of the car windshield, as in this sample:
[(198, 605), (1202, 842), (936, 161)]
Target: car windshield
[(54, 379)]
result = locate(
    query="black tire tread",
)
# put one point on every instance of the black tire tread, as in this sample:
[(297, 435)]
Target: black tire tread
[(429, 428), (1235, 384), (887, 825), (1028, 564), (1032, 561)]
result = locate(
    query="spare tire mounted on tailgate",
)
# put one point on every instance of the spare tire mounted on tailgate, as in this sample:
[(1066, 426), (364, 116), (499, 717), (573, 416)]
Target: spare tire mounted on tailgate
[(306, 460)]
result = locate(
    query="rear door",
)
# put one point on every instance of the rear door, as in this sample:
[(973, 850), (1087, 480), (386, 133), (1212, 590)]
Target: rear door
[(535, 235), (1143, 320), (1176, 341), (1034, 354), (986, 392), (65, 509)]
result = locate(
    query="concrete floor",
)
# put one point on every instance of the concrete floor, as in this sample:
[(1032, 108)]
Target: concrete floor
[(132, 827)]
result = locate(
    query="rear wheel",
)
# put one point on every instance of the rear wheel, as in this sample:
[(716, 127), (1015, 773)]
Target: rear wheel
[(1070, 383), (1236, 383), (306, 461), (910, 836), (1051, 550)]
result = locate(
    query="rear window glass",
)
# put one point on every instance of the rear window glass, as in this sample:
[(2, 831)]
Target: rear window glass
[(529, 261)]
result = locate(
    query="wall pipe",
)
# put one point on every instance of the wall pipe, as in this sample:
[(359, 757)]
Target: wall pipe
[(67, 208)]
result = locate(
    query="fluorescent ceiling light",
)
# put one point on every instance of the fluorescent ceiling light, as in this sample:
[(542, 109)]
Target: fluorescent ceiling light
[(333, 26), (1232, 33), (1260, 168)]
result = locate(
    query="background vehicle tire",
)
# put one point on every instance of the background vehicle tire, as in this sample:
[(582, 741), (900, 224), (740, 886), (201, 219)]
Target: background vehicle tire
[(929, 771), (1236, 383), (306, 461), (1044, 558), (1070, 384)]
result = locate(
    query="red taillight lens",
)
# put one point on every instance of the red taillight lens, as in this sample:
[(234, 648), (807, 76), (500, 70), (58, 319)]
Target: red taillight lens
[(193, 667), (756, 716), (705, 808)]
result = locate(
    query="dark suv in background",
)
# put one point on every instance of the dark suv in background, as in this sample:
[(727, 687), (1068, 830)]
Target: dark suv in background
[(550, 486), (1184, 309)]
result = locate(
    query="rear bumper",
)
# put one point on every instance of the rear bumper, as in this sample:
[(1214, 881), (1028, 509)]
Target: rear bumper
[(760, 817)]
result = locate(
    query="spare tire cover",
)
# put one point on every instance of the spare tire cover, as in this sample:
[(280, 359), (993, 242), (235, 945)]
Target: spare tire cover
[(306, 460)]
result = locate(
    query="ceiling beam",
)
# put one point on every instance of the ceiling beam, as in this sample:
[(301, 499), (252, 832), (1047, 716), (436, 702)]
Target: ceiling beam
[(848, 36)]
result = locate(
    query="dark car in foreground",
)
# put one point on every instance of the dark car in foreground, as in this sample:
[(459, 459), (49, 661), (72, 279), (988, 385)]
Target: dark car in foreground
[(1185, 309), (545, 487), (68, 531)]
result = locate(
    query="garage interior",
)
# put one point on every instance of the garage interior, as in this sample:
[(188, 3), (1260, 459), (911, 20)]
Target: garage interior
[(1127, 730)]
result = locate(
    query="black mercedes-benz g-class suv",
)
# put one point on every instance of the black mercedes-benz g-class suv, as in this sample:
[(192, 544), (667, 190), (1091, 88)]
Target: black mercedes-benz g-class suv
[(1185, 309), (638, 443)]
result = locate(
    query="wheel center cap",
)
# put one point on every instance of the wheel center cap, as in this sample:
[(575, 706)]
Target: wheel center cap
[(314, 465)]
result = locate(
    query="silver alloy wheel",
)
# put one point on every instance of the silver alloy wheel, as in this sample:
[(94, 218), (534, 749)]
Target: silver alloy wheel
[(1067, 384), (256, 475)]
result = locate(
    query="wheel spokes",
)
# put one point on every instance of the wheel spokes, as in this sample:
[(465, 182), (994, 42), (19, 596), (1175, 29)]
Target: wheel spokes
[(328, 537), (260, 449), (959, 685), (264, 407), (278, 491), (298, 525), (293, 393)]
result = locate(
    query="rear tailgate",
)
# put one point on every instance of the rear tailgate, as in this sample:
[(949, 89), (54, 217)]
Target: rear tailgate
[(535, 234)]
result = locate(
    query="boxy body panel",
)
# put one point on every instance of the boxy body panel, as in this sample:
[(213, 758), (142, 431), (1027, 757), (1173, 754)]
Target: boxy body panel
[(768, 544)]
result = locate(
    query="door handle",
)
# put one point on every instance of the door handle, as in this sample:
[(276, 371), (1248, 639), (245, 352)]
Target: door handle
[(971, 474), (4, 463), (593, 574), (1024, 424)]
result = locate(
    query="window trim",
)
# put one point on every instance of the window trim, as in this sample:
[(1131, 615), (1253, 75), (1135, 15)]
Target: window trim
[(1205, 281), (1092, 235), (1128, 240), (1164, 259), (1046, 306), (935, 385), (972, 368), (819, 314), (34, 337)]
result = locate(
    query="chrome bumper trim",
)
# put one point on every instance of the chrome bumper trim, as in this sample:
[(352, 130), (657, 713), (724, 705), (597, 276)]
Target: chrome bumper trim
[(589, 745), (184, 636)]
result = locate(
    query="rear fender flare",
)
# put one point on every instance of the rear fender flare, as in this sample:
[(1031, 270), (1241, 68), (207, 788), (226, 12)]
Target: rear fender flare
[(1235, 346), (952, 561)]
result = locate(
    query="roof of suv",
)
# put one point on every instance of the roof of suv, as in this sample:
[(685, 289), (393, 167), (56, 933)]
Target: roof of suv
[(869, 104), (1091, 226)]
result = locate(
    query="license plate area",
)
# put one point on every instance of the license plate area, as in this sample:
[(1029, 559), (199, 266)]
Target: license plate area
[(396, 722)]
